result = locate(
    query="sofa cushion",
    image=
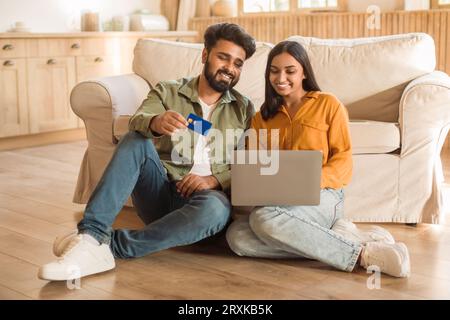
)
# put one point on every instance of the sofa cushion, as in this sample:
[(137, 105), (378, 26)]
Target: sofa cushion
[(367, 136), (374, 136), (156, 60), (370, 72)]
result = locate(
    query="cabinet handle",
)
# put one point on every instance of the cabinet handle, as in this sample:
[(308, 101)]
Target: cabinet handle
[(76, 46), (8, 63), (51, 61), (98, 59), (7, 47)]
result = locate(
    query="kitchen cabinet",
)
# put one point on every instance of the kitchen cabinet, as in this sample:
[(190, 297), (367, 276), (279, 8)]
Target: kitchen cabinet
[(38, 72), (13, 97)]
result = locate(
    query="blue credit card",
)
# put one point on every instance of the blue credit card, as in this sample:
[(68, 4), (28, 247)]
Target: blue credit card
[(198, 124)]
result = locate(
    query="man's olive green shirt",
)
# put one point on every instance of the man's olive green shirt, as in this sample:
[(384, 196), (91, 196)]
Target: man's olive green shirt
[(233, 111)]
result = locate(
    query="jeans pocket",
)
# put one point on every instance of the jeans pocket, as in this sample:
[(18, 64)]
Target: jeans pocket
[(338, 194), (338, 210)]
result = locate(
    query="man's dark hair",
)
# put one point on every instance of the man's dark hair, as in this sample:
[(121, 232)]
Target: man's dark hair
[(230, 32)]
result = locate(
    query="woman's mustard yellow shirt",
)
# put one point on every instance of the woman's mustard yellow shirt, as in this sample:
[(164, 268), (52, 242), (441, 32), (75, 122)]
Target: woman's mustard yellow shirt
[(321, 123)]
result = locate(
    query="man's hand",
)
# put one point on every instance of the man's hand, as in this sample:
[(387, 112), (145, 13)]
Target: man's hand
[(168, 122), (192, 183)]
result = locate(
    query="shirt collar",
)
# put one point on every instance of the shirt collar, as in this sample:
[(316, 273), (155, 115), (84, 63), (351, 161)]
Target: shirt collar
[(309, 95), (312, 94)]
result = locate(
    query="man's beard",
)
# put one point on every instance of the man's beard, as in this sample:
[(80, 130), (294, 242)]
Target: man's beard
[(219, 85)]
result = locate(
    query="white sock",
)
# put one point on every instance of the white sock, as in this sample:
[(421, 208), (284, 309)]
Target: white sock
[(90, 239)]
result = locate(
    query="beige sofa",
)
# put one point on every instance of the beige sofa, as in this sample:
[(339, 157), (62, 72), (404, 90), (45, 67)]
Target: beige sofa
[(398, 104)]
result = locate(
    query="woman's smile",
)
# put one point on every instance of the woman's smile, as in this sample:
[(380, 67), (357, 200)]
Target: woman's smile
[(283, 86)]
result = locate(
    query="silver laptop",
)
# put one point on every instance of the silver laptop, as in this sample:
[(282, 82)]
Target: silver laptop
[(263, 178)]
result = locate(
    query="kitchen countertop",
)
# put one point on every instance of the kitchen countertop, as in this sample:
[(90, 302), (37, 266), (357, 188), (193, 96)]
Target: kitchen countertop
[(28, 35)]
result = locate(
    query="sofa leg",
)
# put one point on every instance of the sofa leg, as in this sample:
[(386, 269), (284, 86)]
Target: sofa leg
[(411, 224)]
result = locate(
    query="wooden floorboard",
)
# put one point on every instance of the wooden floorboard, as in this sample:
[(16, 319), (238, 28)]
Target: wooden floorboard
[(43, 211), (36, 189)]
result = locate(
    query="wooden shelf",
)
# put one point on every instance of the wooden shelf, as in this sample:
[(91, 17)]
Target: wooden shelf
[(158, 34)]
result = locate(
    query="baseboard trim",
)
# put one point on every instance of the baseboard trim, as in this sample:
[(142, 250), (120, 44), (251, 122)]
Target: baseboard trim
[(34, 140)]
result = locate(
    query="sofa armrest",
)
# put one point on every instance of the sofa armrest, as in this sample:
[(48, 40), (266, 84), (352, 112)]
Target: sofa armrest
[(424, 123), (424, 115), (121, 94), (98, 103)]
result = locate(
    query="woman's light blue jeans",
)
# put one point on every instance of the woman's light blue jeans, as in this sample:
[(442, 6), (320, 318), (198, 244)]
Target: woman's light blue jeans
[(171, 220), (296, 231)]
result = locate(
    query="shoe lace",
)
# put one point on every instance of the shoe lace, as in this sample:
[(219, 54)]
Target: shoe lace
[(376, 237), (72, 244), (372, 259)]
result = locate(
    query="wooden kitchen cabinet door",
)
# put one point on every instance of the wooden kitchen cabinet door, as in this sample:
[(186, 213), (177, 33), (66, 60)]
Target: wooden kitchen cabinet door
[(50, 81), (13, 98), (97, 66)]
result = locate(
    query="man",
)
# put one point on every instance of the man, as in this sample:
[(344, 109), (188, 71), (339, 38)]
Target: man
[(180, 203)]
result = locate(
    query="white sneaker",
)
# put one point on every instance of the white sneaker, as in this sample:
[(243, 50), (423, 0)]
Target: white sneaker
[(80, 258), (62, 241), (350, 231), (392, 259)]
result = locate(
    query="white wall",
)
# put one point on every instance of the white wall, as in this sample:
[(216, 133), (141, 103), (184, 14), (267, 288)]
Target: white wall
[(385, 5), (64, 15)]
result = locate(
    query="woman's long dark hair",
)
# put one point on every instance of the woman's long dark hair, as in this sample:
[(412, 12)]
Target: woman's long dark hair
[(273, 100)]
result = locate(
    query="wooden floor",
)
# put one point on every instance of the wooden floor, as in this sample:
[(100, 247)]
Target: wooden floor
[(36, 186)]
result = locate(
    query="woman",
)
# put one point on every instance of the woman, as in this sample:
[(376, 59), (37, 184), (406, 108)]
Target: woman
[(308, 119)]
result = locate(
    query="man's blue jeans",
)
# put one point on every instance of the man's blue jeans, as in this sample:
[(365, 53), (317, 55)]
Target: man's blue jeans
[(171, 220)]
